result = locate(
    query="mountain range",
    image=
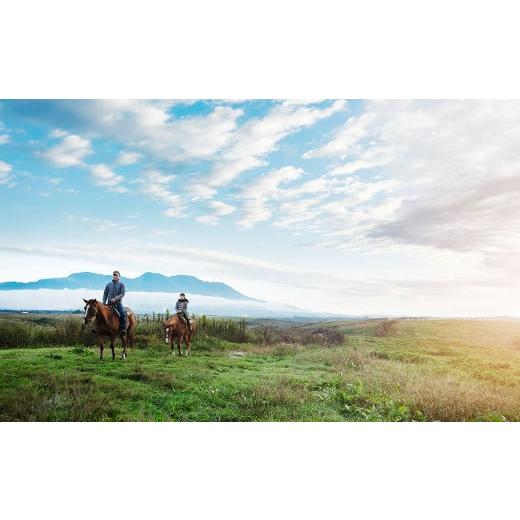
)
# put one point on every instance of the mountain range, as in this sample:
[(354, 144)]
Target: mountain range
[(147, 282)]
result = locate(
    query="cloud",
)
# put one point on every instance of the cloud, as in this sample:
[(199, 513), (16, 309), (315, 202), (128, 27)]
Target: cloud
[(346, 139), (455, 167), (221, 261), (339, 292), (258, 137), (149, 126), (4, 138), (291, 102), (323, 205), (103, 225), (5, 171), (107, 178), (126, 158), (70, 152), (211, 220), (257, 194), (155, 185), (219, 209), (57, 133)]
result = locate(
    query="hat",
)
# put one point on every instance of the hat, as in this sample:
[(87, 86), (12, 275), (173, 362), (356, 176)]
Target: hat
[(116, 272)]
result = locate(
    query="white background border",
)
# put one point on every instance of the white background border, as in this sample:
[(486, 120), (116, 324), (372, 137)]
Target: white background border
[(152, 49)]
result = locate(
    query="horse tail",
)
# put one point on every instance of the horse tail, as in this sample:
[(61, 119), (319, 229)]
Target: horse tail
[(132, 324)]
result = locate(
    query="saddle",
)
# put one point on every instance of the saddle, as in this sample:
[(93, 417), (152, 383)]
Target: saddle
[(183, 319), (117, 313)]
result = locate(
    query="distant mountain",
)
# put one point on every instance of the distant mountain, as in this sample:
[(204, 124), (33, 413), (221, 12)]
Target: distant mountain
[(145, 302), (147, 282)]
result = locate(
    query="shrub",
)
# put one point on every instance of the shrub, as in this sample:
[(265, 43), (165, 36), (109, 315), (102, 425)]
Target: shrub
[(14, 335), (266, 335)]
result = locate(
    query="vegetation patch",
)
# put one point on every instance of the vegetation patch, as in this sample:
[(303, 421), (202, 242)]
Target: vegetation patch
[(416, 370)]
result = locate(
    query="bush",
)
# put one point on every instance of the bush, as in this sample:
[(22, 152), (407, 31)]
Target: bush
[(297, 335), (14, 335), (228, 329), (66, 331)]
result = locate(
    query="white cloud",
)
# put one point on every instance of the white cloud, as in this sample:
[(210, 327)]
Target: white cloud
[(5, 171), (211, 220), (103, 225), (149, 126), (456, 172), (260, 136), (335, 291), (104, 176), (290, 102), (126, 158), (156, 185), (353, 167), (57, 133), (70, 152), (257, 194), (219, 209), (4, 138)]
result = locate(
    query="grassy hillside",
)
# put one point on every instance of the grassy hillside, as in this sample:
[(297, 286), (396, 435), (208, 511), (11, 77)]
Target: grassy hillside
[(372, 370)]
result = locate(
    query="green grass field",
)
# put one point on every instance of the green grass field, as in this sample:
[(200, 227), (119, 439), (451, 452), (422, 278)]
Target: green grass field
[(425, 370)]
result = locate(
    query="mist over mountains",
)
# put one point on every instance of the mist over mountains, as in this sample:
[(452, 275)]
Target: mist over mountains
[(147, 282), (146, 293)]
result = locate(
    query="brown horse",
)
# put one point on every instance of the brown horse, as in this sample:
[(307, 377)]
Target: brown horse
[(107, 324), (175, 327)]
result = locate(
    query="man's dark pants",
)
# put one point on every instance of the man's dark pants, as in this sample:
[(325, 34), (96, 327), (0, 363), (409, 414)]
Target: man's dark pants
[(122, 315), (187, 318)]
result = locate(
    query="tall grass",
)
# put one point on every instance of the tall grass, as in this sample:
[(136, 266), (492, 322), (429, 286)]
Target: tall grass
[(65, 331), (321, 336), (228, 329), (71, 330)]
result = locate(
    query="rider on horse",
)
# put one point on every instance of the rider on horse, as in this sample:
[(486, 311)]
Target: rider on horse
[(113, 295), (181, 307)]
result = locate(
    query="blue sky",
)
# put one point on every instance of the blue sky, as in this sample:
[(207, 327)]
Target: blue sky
[(347, 206)]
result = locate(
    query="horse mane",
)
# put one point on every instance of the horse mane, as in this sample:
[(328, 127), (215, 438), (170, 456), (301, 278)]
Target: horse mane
[(103, 307)]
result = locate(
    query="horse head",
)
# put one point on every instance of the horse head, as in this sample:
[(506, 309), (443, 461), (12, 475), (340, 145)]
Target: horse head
[(90, 310)]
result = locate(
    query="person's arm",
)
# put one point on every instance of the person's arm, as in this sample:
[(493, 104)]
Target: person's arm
[(105, 295), (119, 297)]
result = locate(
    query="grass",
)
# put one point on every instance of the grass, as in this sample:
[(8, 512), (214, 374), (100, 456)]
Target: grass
[(435, 370)]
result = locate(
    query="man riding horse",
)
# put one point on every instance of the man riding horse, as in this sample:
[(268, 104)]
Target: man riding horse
[(113, 295), (181, 307), (179, 326)]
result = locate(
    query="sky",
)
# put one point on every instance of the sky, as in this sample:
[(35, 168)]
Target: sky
[(344, 206)]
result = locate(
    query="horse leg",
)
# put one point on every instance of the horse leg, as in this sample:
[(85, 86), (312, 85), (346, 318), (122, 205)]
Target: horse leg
[(132, 338), (187, 341), (123, 340), (112, 347), (101, 346), (179, 343)]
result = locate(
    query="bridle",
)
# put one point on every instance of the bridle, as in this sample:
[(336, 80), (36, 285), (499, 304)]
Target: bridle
[(88, 308)]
